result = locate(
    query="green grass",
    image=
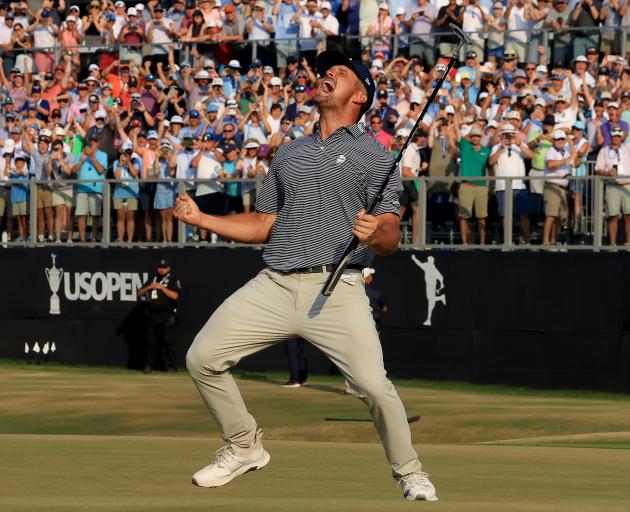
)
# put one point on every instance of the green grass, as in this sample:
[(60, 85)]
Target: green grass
[(84, 438)]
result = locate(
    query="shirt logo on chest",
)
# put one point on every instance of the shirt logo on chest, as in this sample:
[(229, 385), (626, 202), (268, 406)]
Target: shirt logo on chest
[(340, 159)]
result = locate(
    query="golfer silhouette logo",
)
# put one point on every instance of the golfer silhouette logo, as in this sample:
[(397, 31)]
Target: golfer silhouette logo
[(434, 284)]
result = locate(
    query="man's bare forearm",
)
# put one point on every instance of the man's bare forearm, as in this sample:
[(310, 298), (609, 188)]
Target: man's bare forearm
[(248, 228)]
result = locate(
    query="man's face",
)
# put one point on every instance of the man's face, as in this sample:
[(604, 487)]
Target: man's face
[(580, 67), (311, 6), (153, 144), (561, 105), (559, 143), (162, 271), (337, 88), (561, 5), (228, 131), (616, 140), (613, 113), (376, 124)]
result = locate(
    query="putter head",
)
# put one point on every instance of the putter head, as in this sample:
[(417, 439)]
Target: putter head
[(463, 37)]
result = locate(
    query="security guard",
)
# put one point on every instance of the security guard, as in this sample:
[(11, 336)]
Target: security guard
[(160, 293)]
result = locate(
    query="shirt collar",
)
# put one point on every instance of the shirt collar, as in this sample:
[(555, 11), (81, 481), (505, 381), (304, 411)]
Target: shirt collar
[(356, 130)]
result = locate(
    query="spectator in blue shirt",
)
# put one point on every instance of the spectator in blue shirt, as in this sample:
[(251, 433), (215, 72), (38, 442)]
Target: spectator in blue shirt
[(91, 164), (126, 193), (19, 193), (287, 30)]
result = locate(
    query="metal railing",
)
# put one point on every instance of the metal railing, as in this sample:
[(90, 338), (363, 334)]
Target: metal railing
[(436, 221), (343, 41)]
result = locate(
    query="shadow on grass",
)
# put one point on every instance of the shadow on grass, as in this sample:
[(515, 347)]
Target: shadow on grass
[(265, 379)]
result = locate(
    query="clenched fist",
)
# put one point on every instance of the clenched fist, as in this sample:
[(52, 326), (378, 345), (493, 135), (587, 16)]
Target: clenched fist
[(365, 227), (187, 210)]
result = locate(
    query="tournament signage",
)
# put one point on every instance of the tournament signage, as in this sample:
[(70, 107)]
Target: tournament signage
[(542, 319)]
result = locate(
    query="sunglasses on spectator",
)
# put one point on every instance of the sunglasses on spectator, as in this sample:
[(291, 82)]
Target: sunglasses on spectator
[(376, 121), (44, 139), (228, 130), (286, 122)]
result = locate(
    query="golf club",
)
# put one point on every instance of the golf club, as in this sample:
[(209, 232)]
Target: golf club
[(348, 253)]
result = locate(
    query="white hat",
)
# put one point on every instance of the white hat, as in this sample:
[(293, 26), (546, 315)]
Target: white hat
[(208, 63), (45, 132), (483, 95), (541, 68), (492, 124), (139, 7), (132, 11), (93, 67), (326, 5), (74, 8), (100, 114), (119, 4), (449, 109), (558, 134), (252, 144), (580, 58), (513, 114), (202, 74), (400, 10), (508, 128), (382, 5), (488, 67), (59, 131), (231, 102), (561, 97), (276, 80), (71, 18), (415, 99), (267, 70), (540, 102), (234, 64), (617, 130), (177, 119), (216, 81), (606, 95), (403, 132), (107, 85), (613, 104), (367, 271), (377, 63), (126, 145)]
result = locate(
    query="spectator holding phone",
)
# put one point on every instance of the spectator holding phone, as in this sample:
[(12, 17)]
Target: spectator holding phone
[(60, 167), (127, 191), (614, 160), (18, 170)]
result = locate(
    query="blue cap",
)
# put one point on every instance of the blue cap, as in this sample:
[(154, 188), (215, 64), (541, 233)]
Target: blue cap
[(110, 16), (330, 58), (194, 114), (256, 63), (152, 134), (45, 13), (578, 125), (150, 78), (31, 106), (186, 133), (212, 108)]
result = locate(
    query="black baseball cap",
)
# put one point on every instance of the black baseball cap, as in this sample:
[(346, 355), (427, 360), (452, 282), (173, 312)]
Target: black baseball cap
[(549, 120), (329, 58), (163, 263), (382, 93)]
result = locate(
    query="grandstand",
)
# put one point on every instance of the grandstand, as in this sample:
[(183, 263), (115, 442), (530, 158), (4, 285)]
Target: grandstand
[(110, 109)]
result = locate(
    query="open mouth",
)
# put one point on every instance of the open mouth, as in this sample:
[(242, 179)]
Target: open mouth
[(327, 86)]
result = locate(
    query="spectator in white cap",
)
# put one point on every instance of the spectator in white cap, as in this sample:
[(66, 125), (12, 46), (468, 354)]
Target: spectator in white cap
[(559, 160), (507, 159), (259, 27), (250, 169), (254, 124), (164, 167), (495, 25), (45, 34), (18, 170), (604, 132), (59, 167), (381, 29), (160, 33), (581, 75), (70, 38), (309, 16), (614, 160), (419, 23), (121, 17), (131, 36), (566, 108)]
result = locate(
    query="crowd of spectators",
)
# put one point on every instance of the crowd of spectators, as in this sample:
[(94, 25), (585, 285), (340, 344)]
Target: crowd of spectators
[(170, 91)]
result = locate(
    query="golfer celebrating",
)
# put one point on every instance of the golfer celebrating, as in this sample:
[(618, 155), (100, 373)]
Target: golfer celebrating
[(311, 203)]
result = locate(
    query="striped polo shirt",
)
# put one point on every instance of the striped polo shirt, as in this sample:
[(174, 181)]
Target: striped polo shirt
[(316, 188)]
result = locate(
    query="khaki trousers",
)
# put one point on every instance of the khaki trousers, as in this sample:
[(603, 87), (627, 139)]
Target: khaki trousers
[(273, 307)]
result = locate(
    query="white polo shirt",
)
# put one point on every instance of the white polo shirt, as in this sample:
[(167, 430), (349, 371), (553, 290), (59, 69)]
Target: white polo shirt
[(208, 168), (411, 158), (566, 118), (562, 171), (607, 157), (510, 163)]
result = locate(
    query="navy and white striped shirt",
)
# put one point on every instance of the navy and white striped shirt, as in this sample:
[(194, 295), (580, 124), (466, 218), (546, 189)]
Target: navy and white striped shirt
[(316, 189)]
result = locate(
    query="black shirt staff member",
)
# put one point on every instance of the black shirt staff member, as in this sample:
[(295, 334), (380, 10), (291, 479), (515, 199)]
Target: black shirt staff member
[(312, 200), (161, 293)]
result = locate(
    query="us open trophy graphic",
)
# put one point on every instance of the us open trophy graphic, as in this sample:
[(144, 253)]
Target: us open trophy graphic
[(53, 275)]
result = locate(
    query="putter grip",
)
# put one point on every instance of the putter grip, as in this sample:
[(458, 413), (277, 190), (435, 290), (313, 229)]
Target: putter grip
[(335, 275)]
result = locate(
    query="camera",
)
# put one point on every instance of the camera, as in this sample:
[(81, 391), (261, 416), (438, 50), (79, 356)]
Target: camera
[(135, 104), (147, 87)]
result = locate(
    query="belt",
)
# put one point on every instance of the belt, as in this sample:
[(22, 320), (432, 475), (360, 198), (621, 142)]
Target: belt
[(318, 269), (555, 185)]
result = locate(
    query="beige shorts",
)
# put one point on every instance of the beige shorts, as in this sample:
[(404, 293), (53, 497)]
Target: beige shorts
[(62, 196), (249, 198), (4, 200), (555, 198), (44, 196), (129, 204), (89, 203), (20, 208), (470, 196), (617, 200)]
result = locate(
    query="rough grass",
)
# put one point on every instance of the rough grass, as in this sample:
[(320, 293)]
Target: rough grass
[(77, 439)]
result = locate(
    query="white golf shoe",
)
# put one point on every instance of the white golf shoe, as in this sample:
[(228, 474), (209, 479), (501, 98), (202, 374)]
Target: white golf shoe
[(232, 461), (417, 486)]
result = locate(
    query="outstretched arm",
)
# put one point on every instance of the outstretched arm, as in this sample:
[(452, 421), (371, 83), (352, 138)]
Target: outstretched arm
[(249, 228)]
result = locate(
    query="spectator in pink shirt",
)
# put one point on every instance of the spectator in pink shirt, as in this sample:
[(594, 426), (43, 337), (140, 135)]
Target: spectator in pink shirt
[(377, 132)]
